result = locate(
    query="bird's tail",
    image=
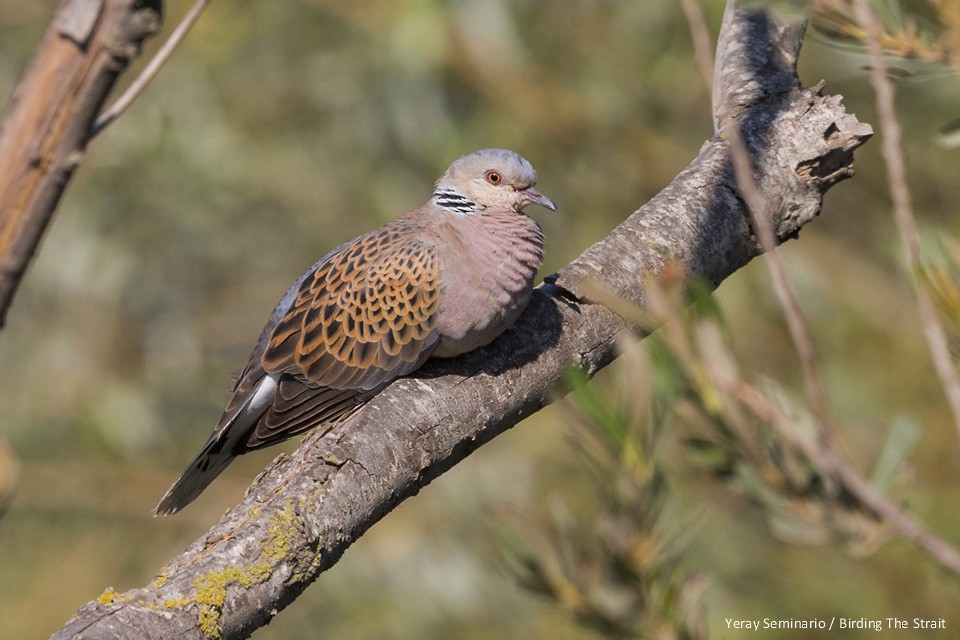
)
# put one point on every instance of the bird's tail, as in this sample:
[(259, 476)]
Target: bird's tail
[(208, 464), (234, 426)]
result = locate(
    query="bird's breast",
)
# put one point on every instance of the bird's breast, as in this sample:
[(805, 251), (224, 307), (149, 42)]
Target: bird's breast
[(488, 266)]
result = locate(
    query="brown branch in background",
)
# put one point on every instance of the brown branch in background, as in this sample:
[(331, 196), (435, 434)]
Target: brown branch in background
[(45, 131), (832, 464), (903, 211), (152, 68)]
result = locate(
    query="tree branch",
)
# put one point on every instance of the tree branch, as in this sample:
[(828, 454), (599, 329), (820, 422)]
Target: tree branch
[(45, 132), (760, 221), (303, 512), (151, 70)]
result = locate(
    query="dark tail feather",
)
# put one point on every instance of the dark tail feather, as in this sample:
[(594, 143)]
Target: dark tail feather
[(208, 464)]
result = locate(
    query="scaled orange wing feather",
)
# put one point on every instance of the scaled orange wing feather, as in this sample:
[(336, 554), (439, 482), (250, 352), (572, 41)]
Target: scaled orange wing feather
[(367, 315)]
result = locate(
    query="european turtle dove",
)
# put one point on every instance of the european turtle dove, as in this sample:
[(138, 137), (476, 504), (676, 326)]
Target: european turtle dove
[(440, 281)]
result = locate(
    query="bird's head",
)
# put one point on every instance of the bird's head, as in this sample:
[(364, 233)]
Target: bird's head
[(491, 178)]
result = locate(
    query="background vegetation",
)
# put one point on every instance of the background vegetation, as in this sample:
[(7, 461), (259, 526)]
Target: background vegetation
[(279, 130)]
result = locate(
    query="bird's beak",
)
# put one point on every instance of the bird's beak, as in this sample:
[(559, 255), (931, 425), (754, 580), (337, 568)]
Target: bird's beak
[(532, 196)]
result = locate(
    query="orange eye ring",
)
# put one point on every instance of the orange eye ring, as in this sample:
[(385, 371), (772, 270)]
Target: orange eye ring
[(494, 178)]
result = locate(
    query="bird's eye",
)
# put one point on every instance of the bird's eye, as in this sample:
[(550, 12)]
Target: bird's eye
[(493, 177)]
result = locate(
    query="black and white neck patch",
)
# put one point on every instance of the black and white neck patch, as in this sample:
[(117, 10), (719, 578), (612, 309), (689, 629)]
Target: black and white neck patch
[(453, 201)]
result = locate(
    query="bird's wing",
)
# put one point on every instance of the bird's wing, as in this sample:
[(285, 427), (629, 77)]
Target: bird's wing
[(365, 316), (362, 316)]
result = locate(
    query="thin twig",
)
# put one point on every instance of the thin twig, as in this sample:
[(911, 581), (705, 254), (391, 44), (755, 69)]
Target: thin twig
[(700, 36), (903, 210), (832, 464), (151, 70), (825, 453), (756, 206), (796, 324)]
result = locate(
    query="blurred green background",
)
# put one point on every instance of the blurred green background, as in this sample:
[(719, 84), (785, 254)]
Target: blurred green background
[(279, 130)]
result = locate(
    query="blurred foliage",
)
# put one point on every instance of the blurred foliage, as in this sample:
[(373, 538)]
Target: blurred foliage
[(913, 33), (942, 281), (616, 569), (279, 130), (802, 504), (928, 30)]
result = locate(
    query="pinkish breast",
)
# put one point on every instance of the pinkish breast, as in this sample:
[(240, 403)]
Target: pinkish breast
[(488, 262)]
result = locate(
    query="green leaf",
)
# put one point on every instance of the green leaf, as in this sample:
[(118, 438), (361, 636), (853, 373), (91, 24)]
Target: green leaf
[(901, 440)]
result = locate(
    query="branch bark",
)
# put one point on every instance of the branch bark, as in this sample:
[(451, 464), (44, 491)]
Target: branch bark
[(47, 127), (305, 510)]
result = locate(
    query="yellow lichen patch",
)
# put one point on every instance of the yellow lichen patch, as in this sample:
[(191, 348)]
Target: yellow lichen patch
[(212, 591), (109, 596), (212, 588), (312, 570), (210, 622), (159, 581), (283, 527), (175, 603)]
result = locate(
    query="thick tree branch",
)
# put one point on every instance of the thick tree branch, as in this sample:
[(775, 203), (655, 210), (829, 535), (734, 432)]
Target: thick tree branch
[(306, 509), (47, 127)]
